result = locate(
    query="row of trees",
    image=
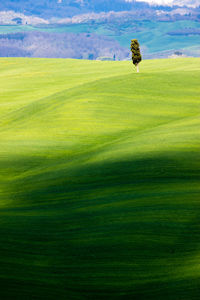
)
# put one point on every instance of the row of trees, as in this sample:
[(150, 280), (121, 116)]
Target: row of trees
[(61, 45)]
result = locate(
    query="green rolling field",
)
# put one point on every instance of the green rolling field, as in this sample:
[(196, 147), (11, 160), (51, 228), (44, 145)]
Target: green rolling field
[(99, 179)]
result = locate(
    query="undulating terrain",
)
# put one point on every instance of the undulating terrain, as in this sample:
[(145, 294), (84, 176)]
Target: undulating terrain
[(99, 179)]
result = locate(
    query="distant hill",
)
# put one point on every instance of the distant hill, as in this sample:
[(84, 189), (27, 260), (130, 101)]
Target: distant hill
[(91, 39), (67, 8), (161, 30)]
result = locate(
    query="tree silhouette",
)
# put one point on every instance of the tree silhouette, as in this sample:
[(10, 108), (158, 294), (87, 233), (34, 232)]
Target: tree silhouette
[(136, 55)]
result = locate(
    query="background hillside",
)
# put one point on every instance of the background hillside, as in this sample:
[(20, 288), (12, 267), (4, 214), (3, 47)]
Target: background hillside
[(161, 30), (67, 8), (99, 179)]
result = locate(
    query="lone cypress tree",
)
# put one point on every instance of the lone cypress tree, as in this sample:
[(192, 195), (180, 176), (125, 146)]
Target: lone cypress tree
[(136, 55)]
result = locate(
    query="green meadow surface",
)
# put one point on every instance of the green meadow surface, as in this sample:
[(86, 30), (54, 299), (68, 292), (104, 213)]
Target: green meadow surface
[(99, 179)]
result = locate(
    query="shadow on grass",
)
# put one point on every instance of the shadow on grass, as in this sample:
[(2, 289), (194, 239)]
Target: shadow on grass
[(122, 230)]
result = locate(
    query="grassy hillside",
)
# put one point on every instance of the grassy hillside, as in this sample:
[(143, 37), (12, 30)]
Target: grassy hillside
[(99, 179)]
